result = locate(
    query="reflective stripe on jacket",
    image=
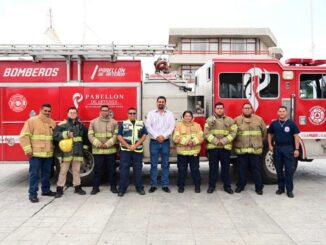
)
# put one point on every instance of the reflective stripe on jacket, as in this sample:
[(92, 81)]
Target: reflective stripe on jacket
[(250, 136), (131, 133), (220, 129), (36, 136), (103, 131), (183, 133)]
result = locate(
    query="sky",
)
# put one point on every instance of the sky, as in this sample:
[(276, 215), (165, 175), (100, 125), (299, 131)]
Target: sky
[(148, 22)]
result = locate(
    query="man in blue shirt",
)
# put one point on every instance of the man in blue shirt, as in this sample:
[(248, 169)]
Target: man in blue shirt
[(283, 141)]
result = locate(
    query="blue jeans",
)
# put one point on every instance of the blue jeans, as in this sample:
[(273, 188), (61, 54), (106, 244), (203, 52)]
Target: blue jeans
[(39, 165), (127, 159), (215, 156), (183, 162), (253, 163), (284, 158), (107, 160), (157, 149)]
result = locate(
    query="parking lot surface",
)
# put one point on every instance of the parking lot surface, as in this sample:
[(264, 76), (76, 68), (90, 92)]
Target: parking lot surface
[(161, 218)]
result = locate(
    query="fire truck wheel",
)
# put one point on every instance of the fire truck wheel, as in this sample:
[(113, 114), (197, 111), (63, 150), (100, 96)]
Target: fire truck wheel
[(268, 168)]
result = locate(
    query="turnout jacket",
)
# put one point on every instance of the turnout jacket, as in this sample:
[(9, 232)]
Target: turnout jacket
[(103, 131), (220, 129), (251, 133), (183, 133), (36, 136), (80, 139)]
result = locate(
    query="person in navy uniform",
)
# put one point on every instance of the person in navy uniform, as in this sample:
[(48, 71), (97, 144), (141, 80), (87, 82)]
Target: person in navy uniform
[(283, 141), (131, 135)]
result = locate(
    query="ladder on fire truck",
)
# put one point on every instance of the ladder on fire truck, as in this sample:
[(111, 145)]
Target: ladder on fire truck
[(84, 51)]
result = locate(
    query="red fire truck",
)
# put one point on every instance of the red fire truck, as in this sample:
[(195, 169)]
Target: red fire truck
[(88, 76), (300, 85)]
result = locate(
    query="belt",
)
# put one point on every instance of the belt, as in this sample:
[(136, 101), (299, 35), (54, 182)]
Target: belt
[(283, 144), (157, 141)]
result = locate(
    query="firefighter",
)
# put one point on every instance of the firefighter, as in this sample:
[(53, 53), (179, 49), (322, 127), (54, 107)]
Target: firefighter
[(36, 139), (71, 128), (102, 133), (160, 125), (283, 141), (131, 135), (220, 130), (188, 137), (248, 145)]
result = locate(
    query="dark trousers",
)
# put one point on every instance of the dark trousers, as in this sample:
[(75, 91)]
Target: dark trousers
[(253, 163), (107, 160), (127, 159), (183, 162), (39, 165), (214, 157), (284, 159)]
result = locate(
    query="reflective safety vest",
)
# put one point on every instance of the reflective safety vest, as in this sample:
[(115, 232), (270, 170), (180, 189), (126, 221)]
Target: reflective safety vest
[(131, 133), (103, 131), (250, 135), (220, 129), (183, 133), (36, 136)]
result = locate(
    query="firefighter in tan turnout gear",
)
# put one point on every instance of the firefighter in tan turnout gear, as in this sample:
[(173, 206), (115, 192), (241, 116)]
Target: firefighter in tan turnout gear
[(220, 130), (36, 139), (248, 145), (102, 133)]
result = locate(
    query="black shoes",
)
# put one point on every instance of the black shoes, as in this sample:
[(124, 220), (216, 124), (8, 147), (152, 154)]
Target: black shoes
[(120, 194), (152, 189), (279, 192), (49, 193), (290, 194), (228, 190), (197, 189), (238, 189), (181, 189), (79, 190), (33, 199), (114, 189), (95, 191), (166, 189), (59, 192), (141, 192), (210, 190), (259, 192)]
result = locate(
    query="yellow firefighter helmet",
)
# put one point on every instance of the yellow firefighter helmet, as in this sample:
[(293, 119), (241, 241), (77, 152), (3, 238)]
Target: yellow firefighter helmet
[(66, 145)]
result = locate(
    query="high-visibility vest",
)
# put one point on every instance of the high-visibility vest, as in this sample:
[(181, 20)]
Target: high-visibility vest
[(131, 133)]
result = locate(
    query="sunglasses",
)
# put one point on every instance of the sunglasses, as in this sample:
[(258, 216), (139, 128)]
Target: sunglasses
[(132, 113)]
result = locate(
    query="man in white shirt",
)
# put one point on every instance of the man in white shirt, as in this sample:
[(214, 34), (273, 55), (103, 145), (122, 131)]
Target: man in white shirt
[(160, 125)]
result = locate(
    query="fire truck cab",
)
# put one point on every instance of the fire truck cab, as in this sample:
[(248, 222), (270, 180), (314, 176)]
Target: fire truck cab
[(300, 85)]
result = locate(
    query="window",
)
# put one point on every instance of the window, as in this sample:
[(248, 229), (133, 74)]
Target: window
[(313, 86), (270, 86), (188, 72), (230, 85), (241, 45), (199, 44)]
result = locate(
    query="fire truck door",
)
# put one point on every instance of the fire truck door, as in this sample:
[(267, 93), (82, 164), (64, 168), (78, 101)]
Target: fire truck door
[(17, 105)]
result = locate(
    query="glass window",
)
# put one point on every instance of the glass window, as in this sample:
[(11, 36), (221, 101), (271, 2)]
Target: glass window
[(313, 86), (196, 46), (185, 46), (231, 85), (188, 72), (269, 84)]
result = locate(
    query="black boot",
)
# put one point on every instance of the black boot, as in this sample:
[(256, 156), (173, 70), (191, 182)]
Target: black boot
[(59, 192), (79, 190)]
